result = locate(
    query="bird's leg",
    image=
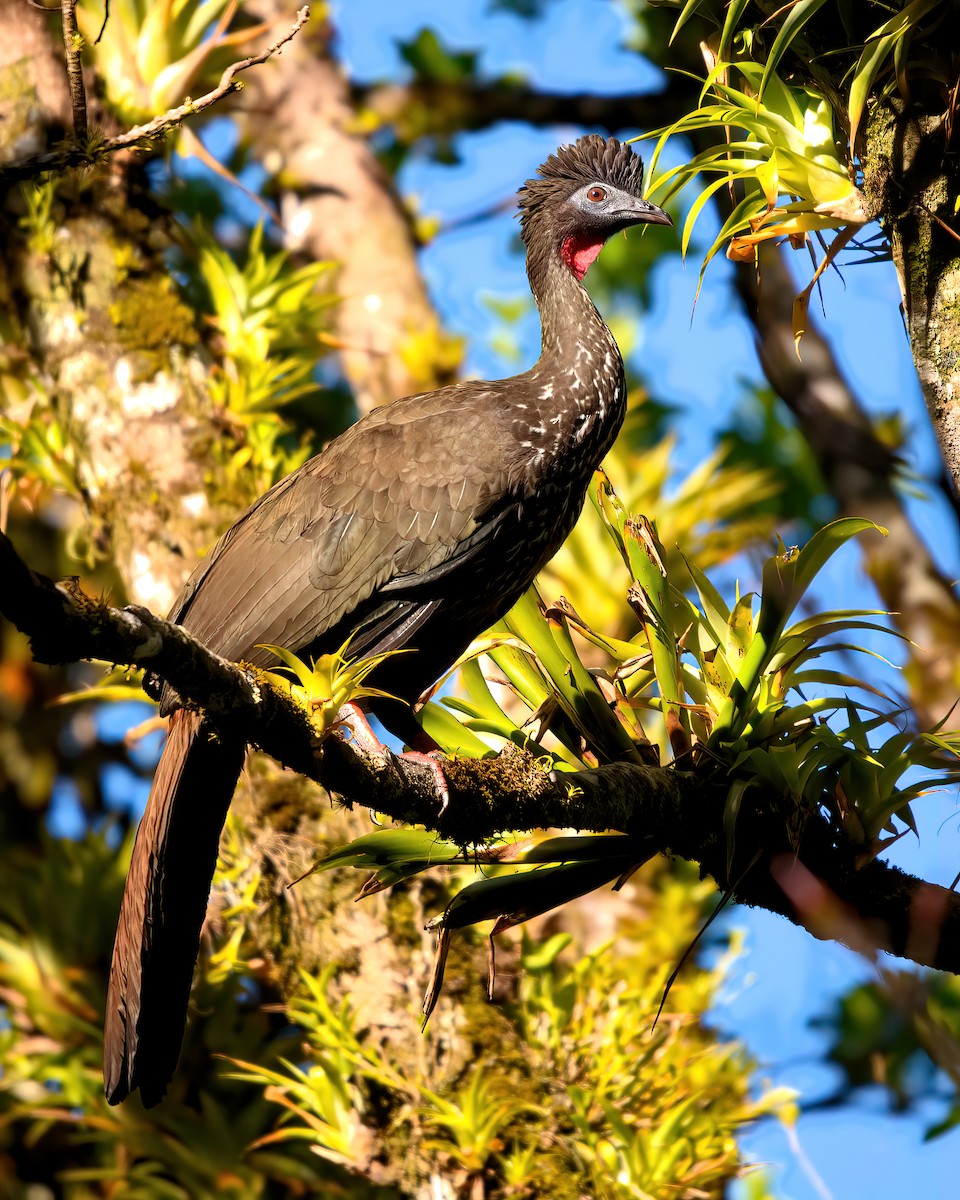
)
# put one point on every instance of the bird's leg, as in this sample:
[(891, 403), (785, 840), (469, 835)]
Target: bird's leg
[(353, 718)]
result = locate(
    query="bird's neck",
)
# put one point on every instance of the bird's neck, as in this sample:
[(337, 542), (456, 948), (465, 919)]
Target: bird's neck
[(573, 401), (571, 328)]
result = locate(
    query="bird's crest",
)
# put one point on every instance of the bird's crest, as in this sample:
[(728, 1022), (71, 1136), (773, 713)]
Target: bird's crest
[(589, 158)]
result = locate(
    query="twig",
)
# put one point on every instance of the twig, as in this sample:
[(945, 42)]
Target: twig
[(106, 18), (72, 42), (74, 156), (226, 85)]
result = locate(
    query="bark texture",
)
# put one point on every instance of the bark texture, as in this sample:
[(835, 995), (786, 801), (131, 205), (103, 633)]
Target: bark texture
[(105, 335), (912, 176), (33, 83)]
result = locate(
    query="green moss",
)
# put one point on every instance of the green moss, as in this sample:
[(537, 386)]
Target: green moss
[(149, 315)]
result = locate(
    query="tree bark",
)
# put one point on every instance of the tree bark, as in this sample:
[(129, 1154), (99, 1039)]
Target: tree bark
[(912, 177), (338, 203), (33, 81), (108, 339)]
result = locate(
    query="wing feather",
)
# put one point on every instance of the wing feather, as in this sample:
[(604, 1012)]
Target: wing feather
[(383, 501)]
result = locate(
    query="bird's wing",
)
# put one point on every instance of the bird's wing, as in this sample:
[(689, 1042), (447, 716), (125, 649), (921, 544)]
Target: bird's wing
[(391, 498)]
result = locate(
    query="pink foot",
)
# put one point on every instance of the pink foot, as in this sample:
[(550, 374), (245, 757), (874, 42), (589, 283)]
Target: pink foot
[(354, 719)]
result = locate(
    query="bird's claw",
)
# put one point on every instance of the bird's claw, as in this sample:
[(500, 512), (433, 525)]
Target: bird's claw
[(440, 780), (353, 719)]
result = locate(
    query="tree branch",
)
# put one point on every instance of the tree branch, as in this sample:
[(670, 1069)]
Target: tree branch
[(83, 154), (810, 879), (71, 45), (432, 108)]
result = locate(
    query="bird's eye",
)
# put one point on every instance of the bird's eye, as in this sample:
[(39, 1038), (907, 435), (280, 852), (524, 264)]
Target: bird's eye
[(596, 194)]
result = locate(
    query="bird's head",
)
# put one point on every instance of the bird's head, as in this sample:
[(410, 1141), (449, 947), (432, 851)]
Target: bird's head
[(582, 195)]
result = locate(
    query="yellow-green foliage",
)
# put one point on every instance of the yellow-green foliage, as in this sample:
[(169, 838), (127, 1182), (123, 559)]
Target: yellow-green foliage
[(432, 356), (38, 221), (149, 313), (734, 520), (37, 451), (328, 683), (786, 120), (57, 917), (781, 146), (271, 318), (578, 1095), (569, 1090), (651, 1111), (885, 56), (151, 55), (732, 689), (53, 924)]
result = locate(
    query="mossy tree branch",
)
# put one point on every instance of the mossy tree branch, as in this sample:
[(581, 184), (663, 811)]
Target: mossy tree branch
[(807, 877)]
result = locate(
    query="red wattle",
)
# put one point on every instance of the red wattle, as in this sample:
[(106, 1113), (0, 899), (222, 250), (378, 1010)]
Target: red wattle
[(579, 253)]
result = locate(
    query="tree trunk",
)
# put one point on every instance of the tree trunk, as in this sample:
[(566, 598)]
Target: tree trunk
[(858, 470), (338, 203), (912, 176)]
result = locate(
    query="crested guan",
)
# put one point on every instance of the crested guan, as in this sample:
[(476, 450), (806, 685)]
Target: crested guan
[(417, 528)]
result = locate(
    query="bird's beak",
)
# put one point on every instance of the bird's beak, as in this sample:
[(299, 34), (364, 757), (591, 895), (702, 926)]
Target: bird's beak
[(645, 213)]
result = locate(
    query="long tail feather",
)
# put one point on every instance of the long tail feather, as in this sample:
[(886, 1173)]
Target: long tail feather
[(164, 904)]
